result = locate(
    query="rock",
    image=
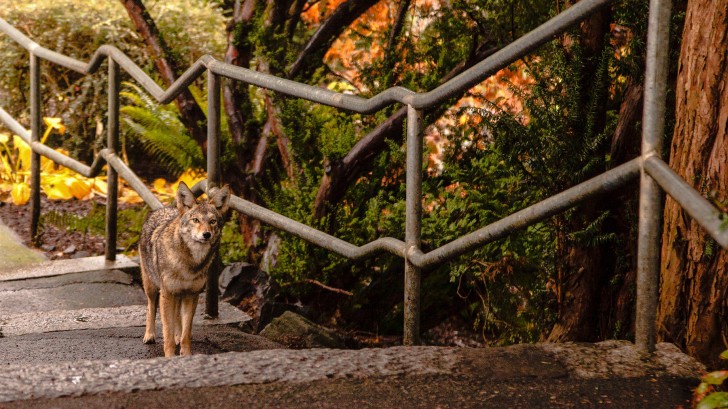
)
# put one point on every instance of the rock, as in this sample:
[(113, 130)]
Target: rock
[(622, 359), (236, 281), (270, 310), (244, 285), (81, 254), (295, 331), (48, 247), (70, 249)]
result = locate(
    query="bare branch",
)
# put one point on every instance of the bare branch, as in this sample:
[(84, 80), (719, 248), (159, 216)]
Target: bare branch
[(326, 287), (397, 27), (235, 96), (394, 34), (165, 61), (339, 175), (345, 14)]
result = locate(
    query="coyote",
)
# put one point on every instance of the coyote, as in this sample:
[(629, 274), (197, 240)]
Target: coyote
[(177, 248)]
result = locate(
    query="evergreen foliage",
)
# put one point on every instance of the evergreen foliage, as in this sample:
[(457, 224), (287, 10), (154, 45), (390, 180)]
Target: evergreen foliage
[(160, 132)]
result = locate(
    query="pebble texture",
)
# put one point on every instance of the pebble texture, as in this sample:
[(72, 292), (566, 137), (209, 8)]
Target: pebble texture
[(622, 359), (585, 362), (109, 317), (19, 382), (112, 344), (24, 271)]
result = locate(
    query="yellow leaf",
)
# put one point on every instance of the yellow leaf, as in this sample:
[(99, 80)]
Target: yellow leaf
[(4, 138), (55, 187), (20, 194), (100, 186), (7, 169), (190, 177), (55, 123), (160, 186), (80, 189), (130, 196), (47, 165)]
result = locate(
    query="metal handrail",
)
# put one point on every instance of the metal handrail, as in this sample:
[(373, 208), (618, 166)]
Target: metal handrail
[(460, 83), (652, 169)]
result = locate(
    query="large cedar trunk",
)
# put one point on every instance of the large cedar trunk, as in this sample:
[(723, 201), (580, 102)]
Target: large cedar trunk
[(694, 276)]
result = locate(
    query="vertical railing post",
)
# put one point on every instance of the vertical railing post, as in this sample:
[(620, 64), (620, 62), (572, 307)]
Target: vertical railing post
[(213, 177), (413, 227), (650, 207), (112, 145), (35, 124)]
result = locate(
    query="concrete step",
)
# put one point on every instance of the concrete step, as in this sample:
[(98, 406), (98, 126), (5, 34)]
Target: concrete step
[(49, 300), (613, 374), (59, 315), (71, 291), (39, 268), (109, 317), (119, 344)]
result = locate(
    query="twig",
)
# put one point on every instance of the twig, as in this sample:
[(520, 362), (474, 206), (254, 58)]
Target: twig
[(326, 287)]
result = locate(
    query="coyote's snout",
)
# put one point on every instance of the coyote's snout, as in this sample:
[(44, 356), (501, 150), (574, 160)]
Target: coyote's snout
[(177, 248)]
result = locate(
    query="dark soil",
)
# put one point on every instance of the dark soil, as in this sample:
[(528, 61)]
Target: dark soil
[(57, 242)]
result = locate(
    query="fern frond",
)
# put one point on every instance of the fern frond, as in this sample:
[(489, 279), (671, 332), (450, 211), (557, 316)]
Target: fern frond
[(160, 131)]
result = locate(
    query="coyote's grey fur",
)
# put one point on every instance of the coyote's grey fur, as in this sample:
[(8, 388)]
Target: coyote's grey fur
[(177, 248)]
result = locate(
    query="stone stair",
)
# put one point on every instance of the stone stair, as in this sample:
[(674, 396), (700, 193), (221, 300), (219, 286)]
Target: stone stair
[(71, 336), (69, 310)]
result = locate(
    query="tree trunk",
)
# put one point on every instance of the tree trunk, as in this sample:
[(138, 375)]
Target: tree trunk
[(580, 266), (694, 275)]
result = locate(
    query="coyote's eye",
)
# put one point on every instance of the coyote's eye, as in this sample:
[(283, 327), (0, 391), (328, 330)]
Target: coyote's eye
[(195, 220), (213, 222)]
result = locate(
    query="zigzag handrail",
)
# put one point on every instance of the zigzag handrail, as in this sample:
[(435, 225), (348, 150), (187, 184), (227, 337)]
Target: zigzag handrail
[(649, 164), (607, 181), (466, 80)]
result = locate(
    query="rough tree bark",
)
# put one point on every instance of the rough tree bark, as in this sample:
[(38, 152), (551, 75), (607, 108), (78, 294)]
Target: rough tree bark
[(694, 275)]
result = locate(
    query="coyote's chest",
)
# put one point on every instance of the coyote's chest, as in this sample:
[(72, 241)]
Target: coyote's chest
[(181, 273)]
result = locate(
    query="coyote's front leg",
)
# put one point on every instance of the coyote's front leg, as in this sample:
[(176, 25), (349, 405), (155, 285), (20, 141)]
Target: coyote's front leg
[(187, 310), (167, 307)]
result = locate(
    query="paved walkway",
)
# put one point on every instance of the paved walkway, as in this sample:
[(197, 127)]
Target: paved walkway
[(70, 336)]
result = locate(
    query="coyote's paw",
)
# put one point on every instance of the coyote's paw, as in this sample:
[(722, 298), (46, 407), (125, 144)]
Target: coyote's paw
[(149, 339)]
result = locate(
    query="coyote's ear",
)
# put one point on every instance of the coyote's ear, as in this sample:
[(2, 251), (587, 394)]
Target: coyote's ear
[(185, 198), (220, 198)]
